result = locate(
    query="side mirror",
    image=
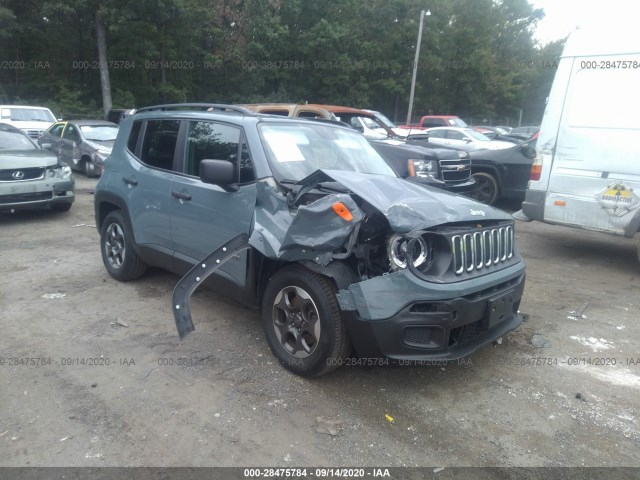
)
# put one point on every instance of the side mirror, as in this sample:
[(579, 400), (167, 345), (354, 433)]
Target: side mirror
[(45, 146), (467, 140), (219, 172), (359, 128)]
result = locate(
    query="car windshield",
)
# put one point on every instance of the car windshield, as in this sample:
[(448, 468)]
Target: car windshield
[(28, 114), (384, 120), (477, 135), (296, 151), (456, 122), (15, 141), (99, 133)]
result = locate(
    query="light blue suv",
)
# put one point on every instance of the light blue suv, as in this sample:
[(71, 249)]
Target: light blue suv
[(305, 221)]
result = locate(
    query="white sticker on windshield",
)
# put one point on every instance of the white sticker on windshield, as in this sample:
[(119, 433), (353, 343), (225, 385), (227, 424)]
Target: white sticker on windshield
[(284, 146)]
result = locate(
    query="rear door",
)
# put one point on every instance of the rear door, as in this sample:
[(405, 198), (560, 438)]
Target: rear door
[(204, 216), (595, 174)]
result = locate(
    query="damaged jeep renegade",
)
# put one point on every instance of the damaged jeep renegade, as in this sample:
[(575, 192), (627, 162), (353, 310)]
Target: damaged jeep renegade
[(305, 221)]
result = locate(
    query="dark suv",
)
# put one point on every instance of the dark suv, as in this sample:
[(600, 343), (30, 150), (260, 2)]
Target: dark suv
[(305, 220)]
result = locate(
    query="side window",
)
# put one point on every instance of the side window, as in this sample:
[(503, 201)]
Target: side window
[(133, 136), (71, 133), (212, 141), (454, 135), (159, 143), (246, 166), (284, 113), (433, 122), (437, 134), (56, 130), (308, 114)]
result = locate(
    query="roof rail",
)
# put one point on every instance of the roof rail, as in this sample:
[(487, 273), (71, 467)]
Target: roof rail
[(197, 106)]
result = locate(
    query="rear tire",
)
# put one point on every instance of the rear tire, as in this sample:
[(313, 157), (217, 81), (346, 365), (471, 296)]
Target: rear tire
[(116, 244), (303, 323), (488, 189)]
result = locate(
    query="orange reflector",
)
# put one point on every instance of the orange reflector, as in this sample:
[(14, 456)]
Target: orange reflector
[(536, 170), (560, 203), (342, 211), (412, 168)]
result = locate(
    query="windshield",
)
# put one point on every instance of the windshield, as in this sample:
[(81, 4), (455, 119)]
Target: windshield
[(384, 120), (99, 133), (477, 135), (28, 114), (15, 141), (295, 151)]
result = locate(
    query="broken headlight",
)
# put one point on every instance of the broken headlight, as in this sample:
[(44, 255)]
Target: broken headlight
[(399, 252), (59, 171)]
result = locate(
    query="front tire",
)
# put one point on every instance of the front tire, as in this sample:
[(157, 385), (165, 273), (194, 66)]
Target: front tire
[(302, 322), (89, 168), (116, 244), (488, 190)]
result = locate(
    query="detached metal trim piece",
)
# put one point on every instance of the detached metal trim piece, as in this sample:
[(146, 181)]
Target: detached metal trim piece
[(181, 299)]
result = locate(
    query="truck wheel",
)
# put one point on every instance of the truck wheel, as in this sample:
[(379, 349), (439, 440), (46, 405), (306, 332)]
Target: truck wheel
[(118, 256), (302, 322), (487, 191)]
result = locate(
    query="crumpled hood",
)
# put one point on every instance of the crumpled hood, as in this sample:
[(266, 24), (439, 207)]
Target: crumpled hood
[(409, 206)]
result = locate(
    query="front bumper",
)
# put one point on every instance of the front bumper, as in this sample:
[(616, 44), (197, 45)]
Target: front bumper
[(446, 323), (37, 194)]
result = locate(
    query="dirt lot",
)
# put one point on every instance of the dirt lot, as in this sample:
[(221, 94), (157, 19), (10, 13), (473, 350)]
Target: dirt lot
[(146, 402)]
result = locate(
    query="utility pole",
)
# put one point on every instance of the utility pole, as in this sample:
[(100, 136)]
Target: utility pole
[(415, 64)]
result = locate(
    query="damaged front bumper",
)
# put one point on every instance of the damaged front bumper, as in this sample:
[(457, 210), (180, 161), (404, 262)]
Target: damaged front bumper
[(403, 317)]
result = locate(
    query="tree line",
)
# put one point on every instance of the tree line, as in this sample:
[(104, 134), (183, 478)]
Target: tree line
[(478, 59)]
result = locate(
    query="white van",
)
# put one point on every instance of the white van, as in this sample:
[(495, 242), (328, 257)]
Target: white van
[(587, 168), (31, 120)]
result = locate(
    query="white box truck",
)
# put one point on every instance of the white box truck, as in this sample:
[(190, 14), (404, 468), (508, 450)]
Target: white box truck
[(586, 173)]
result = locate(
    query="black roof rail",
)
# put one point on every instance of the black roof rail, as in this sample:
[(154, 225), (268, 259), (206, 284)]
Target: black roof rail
[(197, 106)]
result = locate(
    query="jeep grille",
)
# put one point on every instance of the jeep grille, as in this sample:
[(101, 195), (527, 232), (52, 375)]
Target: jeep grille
[(481, 249)]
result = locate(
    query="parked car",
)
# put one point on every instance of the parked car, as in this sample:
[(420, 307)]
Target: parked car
[(430, 165), (82, 144), (31, 178), (33, 120), (306, 221), (432, 121), (450, 136), (497, 133), (525, 133), (505, 128), (383, 119), (502, 173)]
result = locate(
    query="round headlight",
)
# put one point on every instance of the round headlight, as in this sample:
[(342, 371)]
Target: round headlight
[(398, 246)]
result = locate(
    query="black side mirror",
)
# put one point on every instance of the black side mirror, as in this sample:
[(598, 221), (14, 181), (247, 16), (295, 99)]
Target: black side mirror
[(219, 172)]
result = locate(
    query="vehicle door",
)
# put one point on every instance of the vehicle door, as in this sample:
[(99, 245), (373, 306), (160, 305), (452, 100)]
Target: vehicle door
[(204, 216), (146, 182), (53, 137), (438, 137), (70, 145)]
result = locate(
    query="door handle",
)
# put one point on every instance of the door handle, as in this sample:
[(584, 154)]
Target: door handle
[(182, 195), (130, 181)]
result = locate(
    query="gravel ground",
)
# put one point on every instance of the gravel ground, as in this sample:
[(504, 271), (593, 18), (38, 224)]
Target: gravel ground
[(144, 398)]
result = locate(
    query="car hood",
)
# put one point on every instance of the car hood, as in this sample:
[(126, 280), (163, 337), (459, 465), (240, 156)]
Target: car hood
[(11, 159), (102, 145), (408, 206)]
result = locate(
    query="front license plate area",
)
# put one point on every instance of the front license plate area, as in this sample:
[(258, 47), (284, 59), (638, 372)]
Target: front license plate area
[(499, 309)]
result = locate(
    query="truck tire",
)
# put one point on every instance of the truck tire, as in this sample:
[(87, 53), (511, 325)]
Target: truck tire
[(303, 323), (488, 189)]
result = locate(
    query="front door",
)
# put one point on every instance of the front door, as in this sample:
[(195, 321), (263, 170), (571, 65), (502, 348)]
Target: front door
[(69, 151), (204, 216)]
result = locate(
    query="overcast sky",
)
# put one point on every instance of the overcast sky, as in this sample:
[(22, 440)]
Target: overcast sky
[(562, 16)]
